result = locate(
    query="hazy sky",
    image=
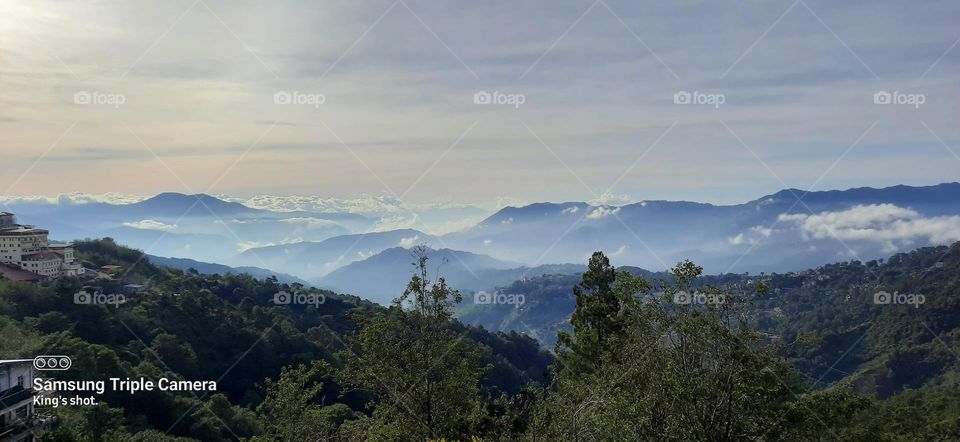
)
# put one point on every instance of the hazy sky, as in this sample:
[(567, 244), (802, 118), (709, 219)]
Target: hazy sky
[(188, 97)]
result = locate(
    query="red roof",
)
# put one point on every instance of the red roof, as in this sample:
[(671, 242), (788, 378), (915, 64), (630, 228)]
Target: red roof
[(15, 274)]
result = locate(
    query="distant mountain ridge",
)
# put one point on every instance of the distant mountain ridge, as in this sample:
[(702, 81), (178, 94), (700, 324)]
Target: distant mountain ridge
[(314, 259), (383, 276), (781, 231), (207, 268), (676, 230)]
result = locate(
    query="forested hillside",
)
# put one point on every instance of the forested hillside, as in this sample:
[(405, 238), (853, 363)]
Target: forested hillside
[(825, 319), (802, 356), (207, 327)]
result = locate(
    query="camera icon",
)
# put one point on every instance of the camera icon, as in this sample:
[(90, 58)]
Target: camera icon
[(682, 97), (282, 298), (58, 363), (482, 297), (682, 298), (82, 297), (882, 97), (882, 298), (282, 97), (82, 97), (482, 97)]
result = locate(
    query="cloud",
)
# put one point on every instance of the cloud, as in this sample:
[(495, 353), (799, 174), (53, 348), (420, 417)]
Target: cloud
[(74, 198), (618, 252), (149, 224), (753, 236), (878, 222), (310, 222), (247, 245), (571, 209), (610, 199), (409, 241), (603, 212), (419, 88), (506, 201), (487, 242), (888, 225), (364, 205)]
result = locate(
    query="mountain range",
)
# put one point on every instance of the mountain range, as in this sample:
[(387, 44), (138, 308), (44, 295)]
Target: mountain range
[(787, 230)]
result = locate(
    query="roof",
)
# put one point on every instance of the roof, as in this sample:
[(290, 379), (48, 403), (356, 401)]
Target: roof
[(15, 274), (42, 256), (21, 229)]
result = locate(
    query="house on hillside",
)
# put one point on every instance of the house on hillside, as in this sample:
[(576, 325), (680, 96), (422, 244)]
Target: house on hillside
[(27, 248), (18, 421)]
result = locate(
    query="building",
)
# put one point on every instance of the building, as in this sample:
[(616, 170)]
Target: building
[(17, 419), (28, 248)]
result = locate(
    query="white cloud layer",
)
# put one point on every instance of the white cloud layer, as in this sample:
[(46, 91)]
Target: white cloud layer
[(611, 199), (878, 222), (149, 224), (887, 225), (603, 212), (73, 198), (408, 241)]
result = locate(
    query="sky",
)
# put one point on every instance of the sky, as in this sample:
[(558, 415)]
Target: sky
[(386, 99)]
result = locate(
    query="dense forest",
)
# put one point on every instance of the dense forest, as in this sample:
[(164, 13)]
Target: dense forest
[(775, 357)]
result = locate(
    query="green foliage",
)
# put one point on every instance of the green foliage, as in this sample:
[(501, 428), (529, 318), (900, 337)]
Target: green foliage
[(199, 327), (426, 378), (778, 357), (676, 371), (598, 321), (292, 407)]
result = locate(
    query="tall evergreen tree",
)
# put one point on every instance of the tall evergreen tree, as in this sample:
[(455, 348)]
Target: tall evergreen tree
[(597, 320), (425, 377)]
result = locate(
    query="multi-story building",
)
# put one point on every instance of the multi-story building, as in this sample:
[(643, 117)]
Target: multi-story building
[(28, 248), (17, 419)]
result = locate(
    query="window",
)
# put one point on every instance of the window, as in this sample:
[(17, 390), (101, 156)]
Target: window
[(20, 380)]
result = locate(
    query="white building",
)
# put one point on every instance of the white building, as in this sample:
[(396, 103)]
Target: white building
[(17, 420), (29, 249)]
